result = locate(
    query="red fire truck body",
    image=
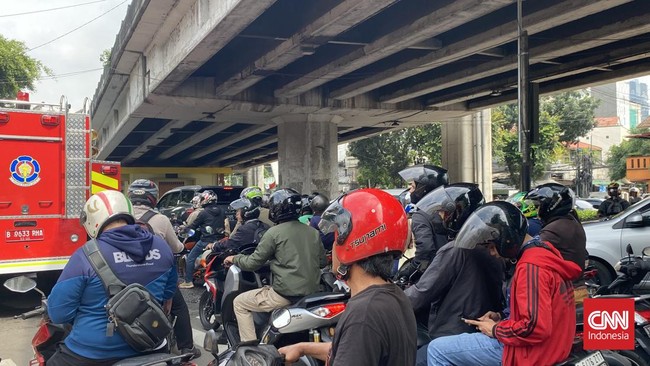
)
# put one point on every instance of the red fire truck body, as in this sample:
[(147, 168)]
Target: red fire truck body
[(48, 176)]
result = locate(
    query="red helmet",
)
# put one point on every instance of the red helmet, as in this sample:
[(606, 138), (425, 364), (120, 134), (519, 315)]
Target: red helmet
[(366, 222)]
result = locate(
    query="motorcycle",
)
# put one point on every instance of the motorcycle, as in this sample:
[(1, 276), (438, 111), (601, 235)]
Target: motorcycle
[(312, 318), (632, 271), (49, 335), (189, 240), (215, 276)]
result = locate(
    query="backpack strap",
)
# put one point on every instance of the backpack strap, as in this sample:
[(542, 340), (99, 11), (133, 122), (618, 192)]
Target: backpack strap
[(147, 216), (111, 283)]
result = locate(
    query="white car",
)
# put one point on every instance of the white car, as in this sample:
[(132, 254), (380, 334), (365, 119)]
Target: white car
[(607, 239)]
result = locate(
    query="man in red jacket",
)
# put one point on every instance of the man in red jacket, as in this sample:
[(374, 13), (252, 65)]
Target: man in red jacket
[(541, 326)]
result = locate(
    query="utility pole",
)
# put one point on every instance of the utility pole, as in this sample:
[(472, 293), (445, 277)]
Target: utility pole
[(523, 97)]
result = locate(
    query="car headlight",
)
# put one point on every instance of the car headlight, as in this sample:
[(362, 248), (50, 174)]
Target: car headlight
[(281, 318)]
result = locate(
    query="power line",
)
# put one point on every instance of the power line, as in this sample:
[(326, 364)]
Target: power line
[(51, 9), (79, 27)]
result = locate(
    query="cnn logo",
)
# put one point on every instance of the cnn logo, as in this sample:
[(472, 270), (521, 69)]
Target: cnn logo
[(609, 324), (600, 320)]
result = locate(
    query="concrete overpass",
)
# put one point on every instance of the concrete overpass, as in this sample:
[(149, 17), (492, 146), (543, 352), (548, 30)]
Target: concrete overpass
[(243, 82)]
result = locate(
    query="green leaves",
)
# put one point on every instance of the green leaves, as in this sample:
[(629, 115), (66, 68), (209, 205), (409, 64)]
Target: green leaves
[(381, 157), (562, 119), (17, 70)]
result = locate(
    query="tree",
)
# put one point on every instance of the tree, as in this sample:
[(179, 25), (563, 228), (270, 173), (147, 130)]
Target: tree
[(381, 157), (618, 154), (105, 57), (562, 119), (18, 71)]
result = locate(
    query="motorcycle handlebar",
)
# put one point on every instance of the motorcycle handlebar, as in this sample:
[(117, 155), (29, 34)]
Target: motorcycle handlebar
[(33, 313)]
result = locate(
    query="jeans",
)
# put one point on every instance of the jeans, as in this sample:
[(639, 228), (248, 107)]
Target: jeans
[(196, 251), (182, 327), (465, 349), (65, 357)]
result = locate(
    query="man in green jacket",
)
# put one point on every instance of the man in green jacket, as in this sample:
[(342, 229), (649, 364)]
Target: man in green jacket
[(295, 253)]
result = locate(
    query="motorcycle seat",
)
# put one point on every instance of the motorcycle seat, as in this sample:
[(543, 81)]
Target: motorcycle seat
[(320, 297)]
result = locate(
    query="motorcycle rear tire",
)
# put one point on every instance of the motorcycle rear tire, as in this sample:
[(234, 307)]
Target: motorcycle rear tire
[(207, 315)]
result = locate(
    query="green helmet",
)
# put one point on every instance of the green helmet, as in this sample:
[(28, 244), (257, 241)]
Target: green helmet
[(527, 207), (251, 193)]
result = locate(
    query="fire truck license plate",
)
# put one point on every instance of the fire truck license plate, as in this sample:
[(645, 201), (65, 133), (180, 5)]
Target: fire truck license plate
[(23, 235)]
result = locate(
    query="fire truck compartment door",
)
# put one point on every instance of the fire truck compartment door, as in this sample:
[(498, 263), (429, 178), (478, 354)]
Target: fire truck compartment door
[(34, 176)]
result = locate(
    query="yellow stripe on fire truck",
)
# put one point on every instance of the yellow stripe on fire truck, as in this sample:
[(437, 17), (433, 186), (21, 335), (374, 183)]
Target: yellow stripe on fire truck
[(105, 181), (32, 265)]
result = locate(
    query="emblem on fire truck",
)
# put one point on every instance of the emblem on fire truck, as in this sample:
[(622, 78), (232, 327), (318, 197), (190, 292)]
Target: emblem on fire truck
[(25, 171)]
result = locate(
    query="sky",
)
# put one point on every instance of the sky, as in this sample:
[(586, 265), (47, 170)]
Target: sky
[(74, 58)]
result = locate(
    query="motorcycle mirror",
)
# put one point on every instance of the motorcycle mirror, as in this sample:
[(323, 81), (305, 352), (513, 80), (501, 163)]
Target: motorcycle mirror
[(646, 252), (191, 232), (20, 284), (628, 250)]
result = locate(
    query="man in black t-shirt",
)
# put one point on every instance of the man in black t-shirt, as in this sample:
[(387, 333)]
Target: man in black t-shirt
[(378, 326)]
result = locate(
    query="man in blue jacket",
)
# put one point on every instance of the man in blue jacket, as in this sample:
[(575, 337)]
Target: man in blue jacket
[(134, 254)]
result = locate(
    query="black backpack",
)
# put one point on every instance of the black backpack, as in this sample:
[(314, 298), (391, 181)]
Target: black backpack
[(259, 232), (137, 315), (614, 207)]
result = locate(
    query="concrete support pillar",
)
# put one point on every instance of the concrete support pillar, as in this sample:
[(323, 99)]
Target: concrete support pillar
[(467, 150), (255, 176), (307, 153)]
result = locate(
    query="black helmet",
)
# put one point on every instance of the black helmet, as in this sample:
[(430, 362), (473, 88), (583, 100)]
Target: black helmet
[(612, 189), (454, 203), (284, 205), (319, 204), (143, 192), (249, 210), (553, 200), (426, 178), (305, 208), (499, 223)]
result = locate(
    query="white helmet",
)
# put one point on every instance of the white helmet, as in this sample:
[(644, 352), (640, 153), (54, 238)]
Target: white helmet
[(196, 201), (103, 208), (635, 189)]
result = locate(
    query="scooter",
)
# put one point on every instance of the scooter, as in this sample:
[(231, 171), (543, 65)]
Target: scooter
[(312, 318), (215, 276), (632, 271), (49, 335)]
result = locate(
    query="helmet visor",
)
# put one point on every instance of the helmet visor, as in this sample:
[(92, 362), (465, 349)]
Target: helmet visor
[(240, 203), (336, 219), (476, 232), (414, 173), (437, 202)]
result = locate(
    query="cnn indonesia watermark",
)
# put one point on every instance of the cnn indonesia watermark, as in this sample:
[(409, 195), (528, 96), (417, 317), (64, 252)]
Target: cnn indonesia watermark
[(609, 324)]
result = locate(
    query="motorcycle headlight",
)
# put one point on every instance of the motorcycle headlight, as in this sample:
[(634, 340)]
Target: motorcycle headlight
[(281, 318)]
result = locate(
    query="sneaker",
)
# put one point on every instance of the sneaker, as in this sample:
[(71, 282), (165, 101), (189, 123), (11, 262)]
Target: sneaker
[(222, 339), (186, 285), (196, 353)]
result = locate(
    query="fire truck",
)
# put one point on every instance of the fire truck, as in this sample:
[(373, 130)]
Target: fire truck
[(48, 174)]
